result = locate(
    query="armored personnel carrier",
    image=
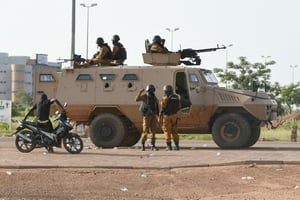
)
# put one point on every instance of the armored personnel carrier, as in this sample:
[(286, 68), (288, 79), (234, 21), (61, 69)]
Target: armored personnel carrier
[(103, 99)]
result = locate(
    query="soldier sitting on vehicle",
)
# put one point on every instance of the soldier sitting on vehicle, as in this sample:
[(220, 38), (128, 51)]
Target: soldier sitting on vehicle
[(119, 54), (157, 45), (102, 57)]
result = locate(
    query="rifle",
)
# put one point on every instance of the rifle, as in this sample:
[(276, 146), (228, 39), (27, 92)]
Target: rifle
[(192, 55), (76, 58)]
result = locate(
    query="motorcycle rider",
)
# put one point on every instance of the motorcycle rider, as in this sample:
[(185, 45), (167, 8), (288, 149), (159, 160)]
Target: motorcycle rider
[(43, 113)]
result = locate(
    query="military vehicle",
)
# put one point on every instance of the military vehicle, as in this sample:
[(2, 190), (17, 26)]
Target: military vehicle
[(103, 98)]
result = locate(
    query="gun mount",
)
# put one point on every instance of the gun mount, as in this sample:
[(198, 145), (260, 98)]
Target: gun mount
[(186, 56), (191, 57)]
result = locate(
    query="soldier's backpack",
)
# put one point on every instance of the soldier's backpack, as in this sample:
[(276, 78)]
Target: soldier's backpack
[(122, 54), (172, 105)]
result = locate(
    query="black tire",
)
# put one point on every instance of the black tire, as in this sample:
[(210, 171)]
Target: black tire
[(131, 138), (23, 145), (73, 143), (107, 130), (231, 130), (255, 134)]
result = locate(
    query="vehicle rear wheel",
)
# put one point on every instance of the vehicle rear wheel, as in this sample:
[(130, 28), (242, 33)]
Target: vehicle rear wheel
[(22, 144), (107, 130), (231, 130)]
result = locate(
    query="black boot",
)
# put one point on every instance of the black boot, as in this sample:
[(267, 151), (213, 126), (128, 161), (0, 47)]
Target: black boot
[(169, 146), (153, 147), (143, 146), (177, 145)]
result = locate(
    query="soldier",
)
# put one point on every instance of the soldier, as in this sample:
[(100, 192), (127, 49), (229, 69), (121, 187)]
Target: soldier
[(170, 105), (102, 57), (150, 110), (119, 54), (157, 45)]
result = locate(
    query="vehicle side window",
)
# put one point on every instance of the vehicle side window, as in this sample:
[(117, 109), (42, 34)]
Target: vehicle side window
[(46, 78), (130, 77), (194, 78), (84, 77), (107, 77)]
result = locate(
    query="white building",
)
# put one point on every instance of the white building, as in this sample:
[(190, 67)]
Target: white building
[(16, 73)]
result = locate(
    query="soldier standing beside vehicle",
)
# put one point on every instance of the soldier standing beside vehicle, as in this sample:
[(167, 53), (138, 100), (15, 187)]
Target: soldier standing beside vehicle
[(157, 45), (170, 105), (119, 54), (102, 57), (150, 110)]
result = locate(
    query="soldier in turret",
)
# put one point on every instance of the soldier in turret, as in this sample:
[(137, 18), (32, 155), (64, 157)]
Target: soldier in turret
[(157, 45)]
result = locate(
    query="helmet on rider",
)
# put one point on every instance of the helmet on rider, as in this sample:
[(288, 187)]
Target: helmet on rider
[(156, 39), (100, 41), (168, 89), (115, 38), (150, 88)]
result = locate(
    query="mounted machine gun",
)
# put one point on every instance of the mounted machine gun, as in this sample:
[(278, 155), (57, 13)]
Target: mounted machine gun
[(191, 57)]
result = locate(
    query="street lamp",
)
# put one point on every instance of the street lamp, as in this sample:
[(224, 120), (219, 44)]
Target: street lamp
[(87, 25), (172, 31), (265, 63), (265, 58), (227, 47), (293, 68)]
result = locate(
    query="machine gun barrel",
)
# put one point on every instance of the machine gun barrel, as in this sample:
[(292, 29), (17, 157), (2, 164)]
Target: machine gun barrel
[(77, 58), (210, 49)]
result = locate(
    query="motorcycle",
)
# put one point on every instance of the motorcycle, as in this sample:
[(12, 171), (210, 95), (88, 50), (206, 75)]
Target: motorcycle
[(29, 135)]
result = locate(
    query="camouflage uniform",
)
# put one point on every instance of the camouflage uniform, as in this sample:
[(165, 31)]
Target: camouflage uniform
[(150, 110), (157, 48), (170, 119), (102, 58)]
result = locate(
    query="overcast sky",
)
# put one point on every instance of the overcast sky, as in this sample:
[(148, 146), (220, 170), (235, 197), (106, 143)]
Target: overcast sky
[(256, 28)]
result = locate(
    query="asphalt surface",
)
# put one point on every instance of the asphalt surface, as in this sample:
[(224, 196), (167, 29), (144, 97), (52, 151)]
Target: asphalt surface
[(192, 154)]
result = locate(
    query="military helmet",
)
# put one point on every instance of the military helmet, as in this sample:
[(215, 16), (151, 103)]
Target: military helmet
[(100, 41), (156, 39), (150, 88), (168, 89), (115, 38)]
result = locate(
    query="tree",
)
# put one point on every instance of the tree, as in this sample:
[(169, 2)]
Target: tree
[(241, 75), (290, 95), (22, 103)]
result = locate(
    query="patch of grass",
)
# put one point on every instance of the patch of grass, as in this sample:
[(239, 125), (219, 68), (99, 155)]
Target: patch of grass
[(280, 134)]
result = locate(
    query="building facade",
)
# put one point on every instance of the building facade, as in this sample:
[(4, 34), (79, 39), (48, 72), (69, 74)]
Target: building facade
[(16, 74)]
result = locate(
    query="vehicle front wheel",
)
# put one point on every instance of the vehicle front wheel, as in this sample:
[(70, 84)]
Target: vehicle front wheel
[(107, 130), (73, 143), (231, 130)]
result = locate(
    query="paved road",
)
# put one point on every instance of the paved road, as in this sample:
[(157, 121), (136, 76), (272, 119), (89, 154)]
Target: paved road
[(192, 154)]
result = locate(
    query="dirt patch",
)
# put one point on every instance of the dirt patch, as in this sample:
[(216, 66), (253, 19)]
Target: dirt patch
[(232, 182)]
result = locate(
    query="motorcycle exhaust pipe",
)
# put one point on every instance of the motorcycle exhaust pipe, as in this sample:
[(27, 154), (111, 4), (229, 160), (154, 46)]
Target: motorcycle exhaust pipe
[(25, 137)]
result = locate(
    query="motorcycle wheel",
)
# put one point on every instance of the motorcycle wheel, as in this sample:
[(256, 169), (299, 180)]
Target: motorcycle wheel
[(23, 145), (73, 143)]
